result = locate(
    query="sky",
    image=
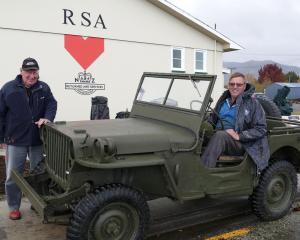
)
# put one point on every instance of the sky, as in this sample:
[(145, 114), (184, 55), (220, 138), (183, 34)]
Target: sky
[(266, 29)]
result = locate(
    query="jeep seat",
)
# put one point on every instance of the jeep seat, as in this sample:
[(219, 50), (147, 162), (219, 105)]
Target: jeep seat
[(226, 160)]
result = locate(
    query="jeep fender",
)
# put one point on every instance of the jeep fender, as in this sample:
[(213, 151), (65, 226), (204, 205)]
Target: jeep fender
[(147, 172)]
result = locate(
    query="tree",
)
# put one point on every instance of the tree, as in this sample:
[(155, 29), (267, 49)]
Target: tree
[(270, 72), (259, 87), (250, 78), (291, 77)]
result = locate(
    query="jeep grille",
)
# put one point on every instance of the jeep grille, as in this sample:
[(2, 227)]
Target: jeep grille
[(58, 155)]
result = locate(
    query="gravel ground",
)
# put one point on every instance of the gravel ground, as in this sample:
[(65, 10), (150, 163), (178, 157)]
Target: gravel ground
[(286, 228), (31, 228)]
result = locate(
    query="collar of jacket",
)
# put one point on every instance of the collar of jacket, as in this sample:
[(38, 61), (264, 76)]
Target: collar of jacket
[(36, 87)]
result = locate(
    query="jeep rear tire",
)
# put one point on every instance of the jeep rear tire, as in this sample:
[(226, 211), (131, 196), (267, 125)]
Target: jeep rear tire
[(114, 212), (276, 191)]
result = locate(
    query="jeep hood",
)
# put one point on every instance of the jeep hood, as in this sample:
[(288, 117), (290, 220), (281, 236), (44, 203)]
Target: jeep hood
[(132, 135)]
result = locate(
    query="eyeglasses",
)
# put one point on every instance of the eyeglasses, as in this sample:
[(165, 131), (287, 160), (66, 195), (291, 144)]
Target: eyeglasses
[(232, 84)]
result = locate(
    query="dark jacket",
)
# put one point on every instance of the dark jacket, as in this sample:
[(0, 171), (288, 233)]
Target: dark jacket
[(250, 125), (19, 112)]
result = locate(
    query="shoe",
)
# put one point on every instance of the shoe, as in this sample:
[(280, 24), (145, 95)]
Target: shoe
[(15, 215)]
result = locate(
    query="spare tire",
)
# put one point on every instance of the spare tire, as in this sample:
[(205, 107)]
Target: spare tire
[(269, 106)]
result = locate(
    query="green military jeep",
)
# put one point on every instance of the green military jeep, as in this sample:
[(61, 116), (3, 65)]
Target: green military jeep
[(105, 171)]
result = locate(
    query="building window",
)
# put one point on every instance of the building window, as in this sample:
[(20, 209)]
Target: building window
[(200, 61), (178, 59)]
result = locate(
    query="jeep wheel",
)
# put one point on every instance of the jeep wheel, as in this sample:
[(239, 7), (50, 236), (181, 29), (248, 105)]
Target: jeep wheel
[(116, 212), (276, 191)]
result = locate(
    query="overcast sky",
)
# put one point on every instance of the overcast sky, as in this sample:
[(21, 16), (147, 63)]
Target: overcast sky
[(267, 29)]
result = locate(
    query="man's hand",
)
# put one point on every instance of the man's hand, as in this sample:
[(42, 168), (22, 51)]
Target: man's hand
[(233, 134), (41, 122)]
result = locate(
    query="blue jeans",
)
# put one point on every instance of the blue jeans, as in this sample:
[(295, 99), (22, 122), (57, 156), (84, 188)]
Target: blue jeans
[(15, 159)]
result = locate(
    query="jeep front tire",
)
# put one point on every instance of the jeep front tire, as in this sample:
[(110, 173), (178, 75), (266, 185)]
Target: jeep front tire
[(114, 212), (276, 191)]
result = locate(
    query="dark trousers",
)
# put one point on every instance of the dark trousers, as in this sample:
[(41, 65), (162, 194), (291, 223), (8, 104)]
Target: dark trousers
[(221, 143)]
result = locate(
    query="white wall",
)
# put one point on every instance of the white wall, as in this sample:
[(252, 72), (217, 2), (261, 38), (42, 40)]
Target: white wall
[(138, 38), (131, 20)]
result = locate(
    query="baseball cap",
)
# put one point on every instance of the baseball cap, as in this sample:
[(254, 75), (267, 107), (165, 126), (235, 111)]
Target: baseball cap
[(30, 64)]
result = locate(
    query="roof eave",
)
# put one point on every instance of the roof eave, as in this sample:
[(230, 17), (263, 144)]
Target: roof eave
[(228, 44)]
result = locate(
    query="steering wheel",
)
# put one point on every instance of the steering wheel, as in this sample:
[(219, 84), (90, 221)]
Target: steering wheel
[(217, 114), (195, 101)]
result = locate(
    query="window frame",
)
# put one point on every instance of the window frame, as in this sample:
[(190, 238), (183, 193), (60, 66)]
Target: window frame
[(182, 69), (204, 70)]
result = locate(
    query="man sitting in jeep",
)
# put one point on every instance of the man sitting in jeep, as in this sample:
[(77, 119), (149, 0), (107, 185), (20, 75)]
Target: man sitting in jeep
[(240, 123)]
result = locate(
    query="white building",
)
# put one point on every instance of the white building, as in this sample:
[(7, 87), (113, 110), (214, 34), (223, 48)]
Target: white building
[(122, 39)]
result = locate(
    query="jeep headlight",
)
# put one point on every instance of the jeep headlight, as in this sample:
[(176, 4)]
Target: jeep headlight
[(104, 149)]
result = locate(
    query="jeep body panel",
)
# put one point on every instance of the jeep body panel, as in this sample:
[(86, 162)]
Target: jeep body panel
[(130, 136), (158, 140)]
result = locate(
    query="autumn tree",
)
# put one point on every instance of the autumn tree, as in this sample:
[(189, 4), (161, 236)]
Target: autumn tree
[(270, 72), (291, 77)]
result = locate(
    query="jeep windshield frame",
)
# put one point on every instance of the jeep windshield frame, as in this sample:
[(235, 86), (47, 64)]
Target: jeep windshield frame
[(159, 109)]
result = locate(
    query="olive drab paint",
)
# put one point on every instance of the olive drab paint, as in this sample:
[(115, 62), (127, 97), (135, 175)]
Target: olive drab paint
[(103, 163)]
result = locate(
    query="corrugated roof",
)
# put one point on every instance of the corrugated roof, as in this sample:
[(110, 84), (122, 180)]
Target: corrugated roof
[(228, 44), (290, 85)]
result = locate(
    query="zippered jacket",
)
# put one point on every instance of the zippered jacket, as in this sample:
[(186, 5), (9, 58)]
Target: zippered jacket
[(250, 124), (19, 111)]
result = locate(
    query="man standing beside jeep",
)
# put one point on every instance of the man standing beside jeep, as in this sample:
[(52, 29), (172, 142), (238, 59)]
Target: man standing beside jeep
[(25, 105), (240, 123)]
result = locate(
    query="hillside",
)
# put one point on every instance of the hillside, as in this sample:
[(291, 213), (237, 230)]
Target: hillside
[(252, 67)]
